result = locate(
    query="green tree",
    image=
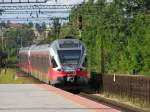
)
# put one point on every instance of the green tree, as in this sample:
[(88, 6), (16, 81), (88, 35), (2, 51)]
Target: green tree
[(122, 27)]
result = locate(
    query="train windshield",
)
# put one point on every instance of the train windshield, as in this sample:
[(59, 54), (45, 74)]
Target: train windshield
[(69, 57)]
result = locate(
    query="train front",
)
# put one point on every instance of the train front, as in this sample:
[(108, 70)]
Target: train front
[(69, 64)]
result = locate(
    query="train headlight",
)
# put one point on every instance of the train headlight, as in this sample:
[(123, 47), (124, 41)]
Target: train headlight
[(70, 79), (59, 70), (79, 69)]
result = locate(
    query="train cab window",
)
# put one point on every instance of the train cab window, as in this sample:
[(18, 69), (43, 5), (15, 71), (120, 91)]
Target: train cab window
[(54, 64), (85, 62)]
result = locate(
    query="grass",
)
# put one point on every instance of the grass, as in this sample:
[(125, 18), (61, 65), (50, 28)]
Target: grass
[(13, 76), (135, 102)]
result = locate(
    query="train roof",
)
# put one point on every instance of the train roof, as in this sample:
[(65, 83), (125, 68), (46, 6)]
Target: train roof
[(66, 43), (39, 47), (57, 44), (24, 48)]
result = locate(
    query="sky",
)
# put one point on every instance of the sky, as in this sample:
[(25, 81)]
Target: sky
[(49, 1), (34, 15)]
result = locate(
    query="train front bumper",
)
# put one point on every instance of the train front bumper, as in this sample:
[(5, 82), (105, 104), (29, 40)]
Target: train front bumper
[(70, 81)]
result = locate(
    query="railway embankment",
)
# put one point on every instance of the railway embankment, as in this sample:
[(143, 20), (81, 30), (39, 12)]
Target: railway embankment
[(126, 106), (107, 89), (129, 92)]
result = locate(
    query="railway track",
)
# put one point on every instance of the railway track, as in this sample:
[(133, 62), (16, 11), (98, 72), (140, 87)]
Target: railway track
[(91, 94), (114, 104), (93, 98)]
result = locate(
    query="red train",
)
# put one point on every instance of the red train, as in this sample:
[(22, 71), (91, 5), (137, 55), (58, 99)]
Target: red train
[(61, 63)]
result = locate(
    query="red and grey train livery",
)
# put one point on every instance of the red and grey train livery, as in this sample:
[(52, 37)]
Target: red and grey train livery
[(61, 63)]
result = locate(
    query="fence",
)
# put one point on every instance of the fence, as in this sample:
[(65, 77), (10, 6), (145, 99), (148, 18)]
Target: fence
[(131, 86)]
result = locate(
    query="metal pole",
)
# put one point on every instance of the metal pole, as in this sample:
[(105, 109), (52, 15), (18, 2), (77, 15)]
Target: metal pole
[(80, 34), (21, 41), (102, 57), (2, 38)]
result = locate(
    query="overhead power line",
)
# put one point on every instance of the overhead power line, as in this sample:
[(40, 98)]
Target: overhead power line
[(29, 7), (35, 12), (22, 1), (35, 19)]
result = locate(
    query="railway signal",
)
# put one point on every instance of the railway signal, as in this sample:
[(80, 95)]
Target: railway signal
[(80, 26), (80, 22)]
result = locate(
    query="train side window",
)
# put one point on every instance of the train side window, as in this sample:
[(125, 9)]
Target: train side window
[(85, 62), (54, 64)]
